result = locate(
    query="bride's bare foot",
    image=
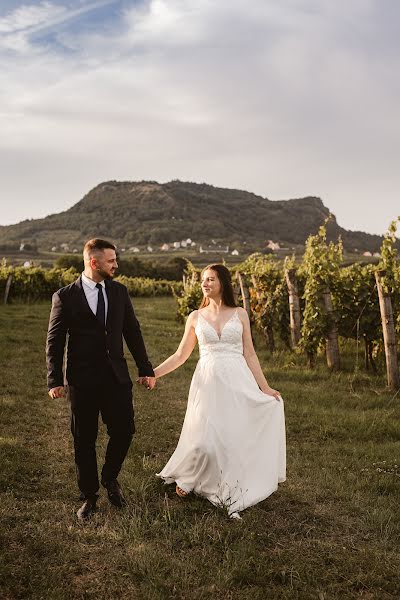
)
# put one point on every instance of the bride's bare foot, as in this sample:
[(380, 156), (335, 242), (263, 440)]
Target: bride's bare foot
[(235, 515), (180, 492)]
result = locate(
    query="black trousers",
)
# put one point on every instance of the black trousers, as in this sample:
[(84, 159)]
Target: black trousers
[(114, 402)]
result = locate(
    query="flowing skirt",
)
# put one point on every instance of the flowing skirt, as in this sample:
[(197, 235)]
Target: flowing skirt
[(232, 447)]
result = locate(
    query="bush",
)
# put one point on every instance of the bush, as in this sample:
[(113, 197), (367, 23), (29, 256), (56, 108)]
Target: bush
[(35, 283), (190, 295), (172, 269), (70, 261), (144, 286)]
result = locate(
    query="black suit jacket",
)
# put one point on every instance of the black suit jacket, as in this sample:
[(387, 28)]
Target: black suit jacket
[(93, 348)]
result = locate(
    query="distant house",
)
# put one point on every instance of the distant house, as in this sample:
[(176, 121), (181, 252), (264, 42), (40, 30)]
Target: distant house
[(22, 246), (177, 245), (134, 249), (377, 254), (123, 249), (213, 249), (75, 250), (235, 252), (183, 244), (193, 244), (54, 248), (367, 253), (273, 245), (165, 247), (27, 263), (149, 249)]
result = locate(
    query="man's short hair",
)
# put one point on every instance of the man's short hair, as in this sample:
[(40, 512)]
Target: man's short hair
[(96, 244)]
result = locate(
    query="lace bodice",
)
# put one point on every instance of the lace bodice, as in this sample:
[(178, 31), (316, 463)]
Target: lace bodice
[(210, 343)]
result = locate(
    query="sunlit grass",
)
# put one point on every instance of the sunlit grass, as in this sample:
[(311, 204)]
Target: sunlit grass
[(331, 531)]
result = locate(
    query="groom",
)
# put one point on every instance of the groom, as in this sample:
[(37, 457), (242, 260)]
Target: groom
[(96, 313)]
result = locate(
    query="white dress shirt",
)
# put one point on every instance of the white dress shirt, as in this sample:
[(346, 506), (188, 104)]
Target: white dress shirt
[(92, 293)]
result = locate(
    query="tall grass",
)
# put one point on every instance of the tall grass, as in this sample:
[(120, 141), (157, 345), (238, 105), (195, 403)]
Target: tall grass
[(331, 531)]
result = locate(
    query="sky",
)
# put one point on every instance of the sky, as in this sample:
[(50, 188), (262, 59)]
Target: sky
[(285, 99)]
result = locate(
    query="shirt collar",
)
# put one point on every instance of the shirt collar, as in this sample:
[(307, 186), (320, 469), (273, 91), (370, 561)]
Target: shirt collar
[(90, 283)]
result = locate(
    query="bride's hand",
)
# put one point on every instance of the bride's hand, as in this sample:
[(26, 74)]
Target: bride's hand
[(148, 382), (271, 392)]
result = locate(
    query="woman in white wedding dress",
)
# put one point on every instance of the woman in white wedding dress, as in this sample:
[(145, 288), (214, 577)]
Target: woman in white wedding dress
[(232, 445)]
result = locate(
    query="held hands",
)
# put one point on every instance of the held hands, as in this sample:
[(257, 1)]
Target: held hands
[(57, 392), (149, 382)]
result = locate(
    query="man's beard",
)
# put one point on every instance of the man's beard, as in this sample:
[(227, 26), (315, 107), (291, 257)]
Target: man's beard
[(105, 274)]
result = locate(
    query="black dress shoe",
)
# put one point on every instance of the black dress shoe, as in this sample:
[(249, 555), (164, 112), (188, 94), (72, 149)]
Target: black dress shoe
[(115, 494), (87, 508)]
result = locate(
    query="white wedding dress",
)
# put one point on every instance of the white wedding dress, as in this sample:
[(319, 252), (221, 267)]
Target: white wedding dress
[(232, 445)]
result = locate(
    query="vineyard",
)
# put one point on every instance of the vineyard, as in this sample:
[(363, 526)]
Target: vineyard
[(33, 284), (306, 307), (310, 305)]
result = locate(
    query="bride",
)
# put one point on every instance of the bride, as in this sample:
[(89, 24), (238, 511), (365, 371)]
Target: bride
[(232, 445)]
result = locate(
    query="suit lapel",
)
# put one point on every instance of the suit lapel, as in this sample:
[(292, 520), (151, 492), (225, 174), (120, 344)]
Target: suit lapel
[(110, 301)]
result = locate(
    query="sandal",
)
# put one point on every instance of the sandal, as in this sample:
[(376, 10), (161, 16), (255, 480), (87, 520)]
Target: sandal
[(180, 492)]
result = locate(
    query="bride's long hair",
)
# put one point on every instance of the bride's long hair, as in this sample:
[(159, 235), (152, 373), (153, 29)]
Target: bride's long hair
[(224, 277)]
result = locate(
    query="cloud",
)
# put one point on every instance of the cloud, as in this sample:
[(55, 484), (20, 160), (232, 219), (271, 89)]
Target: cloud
[(283, 99), (28, 16), (28, 20)]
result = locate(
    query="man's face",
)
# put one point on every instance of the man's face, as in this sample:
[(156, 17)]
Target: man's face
[(105, 263)]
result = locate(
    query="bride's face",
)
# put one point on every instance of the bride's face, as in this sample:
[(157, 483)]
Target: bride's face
[(210, 284)]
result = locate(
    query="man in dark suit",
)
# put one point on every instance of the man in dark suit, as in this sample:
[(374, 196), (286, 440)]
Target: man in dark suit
[(95, 314)]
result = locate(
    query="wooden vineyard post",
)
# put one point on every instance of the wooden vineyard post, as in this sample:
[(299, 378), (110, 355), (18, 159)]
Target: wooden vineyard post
[(389, 336), (7, 290), (236, 292), (332, 341), (294, 306), (268, 331), (245, 293), (366, 354)]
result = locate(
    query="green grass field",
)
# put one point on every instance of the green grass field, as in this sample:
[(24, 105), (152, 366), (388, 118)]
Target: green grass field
[(331, 531)]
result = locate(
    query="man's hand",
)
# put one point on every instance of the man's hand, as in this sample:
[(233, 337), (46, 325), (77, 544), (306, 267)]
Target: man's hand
[(57, 392), (149, 382)]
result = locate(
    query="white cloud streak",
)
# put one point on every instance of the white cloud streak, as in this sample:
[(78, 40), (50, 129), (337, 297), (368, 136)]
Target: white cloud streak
[(28, 16), (30, 19)]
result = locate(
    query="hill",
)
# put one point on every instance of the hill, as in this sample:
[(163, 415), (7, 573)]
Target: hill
[(146, 212)]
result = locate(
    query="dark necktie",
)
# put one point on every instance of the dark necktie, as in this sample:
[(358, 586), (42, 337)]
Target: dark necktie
[(101, 307)]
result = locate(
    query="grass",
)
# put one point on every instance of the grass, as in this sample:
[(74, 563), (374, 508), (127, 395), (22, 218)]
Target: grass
[(331, 531)]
